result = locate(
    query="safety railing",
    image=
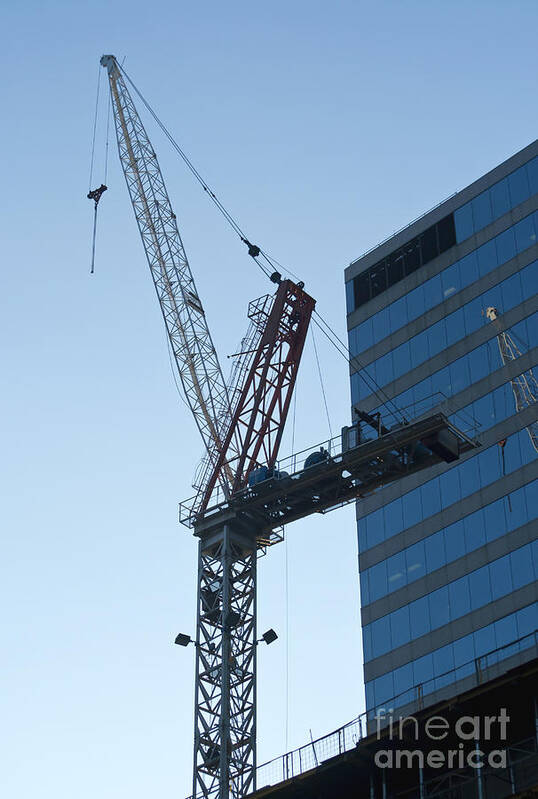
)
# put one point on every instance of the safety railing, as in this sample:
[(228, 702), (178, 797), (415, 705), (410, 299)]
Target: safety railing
[(310, 755)]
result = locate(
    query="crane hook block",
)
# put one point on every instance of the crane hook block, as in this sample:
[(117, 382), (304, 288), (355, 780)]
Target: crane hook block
[(96, 194), (253, 249)]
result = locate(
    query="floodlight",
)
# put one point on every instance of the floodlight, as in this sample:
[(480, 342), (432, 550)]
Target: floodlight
[(269, 636), (182, 639)]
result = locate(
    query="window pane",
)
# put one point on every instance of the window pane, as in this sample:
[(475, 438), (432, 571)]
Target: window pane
[(450, 280), (350, 297), (484, 640), (384, 688), (378, 278), (403, 678), (526, 619), (506, 630), (395, 267), (463, 219), (460, 599), (434, 547), (480, 587), (396, 571), (432, 292), (423, 669), (525, 233), (419, 617), (399, 625), (380, 636), (393, 517), (361, 286), (500, 198), (428, 245), (377, 580), (398, 313), (475, 534), (439, 607), (463, 650), (532, 174), (521, 567), (506, 246), (412, 256), (455, 541), (519, 186), (482, 211), (487, 257), (446, 233), (415, 561)]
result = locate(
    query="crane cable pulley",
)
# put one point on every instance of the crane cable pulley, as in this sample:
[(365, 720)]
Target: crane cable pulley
[(95, 195)]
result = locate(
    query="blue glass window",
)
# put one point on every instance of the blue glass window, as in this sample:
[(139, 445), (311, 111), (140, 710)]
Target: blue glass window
[(384, 687), (381, 640), (475, 533), (415, 561), (525, 233), (403, 678), (480, 587), (519, 186), (482, 212), (434, 547), (500, 577), (463, 219), (532, 174), (521, 567), (350, 297), (455, 277), (500, 198), (399, 625), (420, 618), (423, 669), (460, 598), (439, 607), (378, 580), (484, 640), (527, 619), (396, 571)]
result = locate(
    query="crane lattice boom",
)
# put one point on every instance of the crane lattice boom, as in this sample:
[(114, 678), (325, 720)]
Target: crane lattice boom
[(194, 353)]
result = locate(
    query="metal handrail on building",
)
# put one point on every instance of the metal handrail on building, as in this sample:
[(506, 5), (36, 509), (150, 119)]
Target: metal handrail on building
[(345, 738)]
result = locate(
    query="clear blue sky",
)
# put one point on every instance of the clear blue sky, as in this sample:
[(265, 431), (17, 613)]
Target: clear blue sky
[(324, 127)]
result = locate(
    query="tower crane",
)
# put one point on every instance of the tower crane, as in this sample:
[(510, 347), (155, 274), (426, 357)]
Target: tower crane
[(242, 498), (524, 386)]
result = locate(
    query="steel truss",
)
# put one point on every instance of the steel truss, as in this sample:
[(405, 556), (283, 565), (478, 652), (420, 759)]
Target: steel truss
[(194, 353), (225, 701), (259, 417)]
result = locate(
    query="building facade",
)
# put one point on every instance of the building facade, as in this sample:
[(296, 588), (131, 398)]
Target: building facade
[(448, 558)]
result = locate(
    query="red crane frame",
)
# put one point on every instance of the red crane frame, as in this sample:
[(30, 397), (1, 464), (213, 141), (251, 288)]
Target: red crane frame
[(260, 414)]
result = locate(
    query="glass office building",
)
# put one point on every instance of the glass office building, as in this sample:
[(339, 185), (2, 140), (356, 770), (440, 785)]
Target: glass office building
[(448, 558)]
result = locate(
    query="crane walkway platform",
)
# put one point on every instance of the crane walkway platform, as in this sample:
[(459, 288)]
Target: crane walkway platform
[(360, 467)]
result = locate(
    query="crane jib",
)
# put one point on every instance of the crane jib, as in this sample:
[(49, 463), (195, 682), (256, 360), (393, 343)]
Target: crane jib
[(190, 339)]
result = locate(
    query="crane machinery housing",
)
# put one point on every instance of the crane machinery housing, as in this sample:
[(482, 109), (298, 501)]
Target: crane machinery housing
[(243, 499)]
